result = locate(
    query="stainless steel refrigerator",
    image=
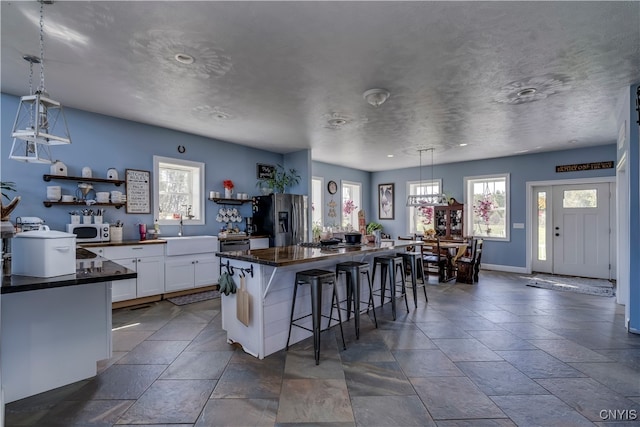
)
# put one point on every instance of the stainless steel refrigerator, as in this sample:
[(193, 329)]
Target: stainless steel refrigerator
[(282, 217)]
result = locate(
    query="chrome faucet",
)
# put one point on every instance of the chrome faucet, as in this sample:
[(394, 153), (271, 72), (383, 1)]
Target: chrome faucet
[(180, 229)]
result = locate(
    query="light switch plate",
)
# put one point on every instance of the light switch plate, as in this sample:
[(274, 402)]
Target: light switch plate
[(518, 225)]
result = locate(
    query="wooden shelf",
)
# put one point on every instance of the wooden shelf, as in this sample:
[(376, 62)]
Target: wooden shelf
[(116, 182), (49, 203), (230, 201)]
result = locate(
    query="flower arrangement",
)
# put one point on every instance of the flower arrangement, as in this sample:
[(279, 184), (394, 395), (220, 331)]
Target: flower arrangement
[(227, 184), (483, 210), (426, 212), (349, 207)]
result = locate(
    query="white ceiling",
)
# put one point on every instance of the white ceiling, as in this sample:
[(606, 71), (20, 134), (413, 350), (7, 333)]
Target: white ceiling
[(273, 75)]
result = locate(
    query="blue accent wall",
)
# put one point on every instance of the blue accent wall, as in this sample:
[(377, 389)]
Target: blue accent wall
[(102, 142), (522, 169)]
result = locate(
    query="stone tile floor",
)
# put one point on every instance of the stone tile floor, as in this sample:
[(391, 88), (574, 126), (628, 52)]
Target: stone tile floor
[(497, 353)]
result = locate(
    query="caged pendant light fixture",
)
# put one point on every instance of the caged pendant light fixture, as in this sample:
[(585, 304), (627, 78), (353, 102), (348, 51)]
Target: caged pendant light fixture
[(40, 121), (416, 200)]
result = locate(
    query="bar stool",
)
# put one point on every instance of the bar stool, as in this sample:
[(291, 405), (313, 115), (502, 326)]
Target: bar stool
[(390, 264), (413, 260), (353, 271), (315, 278)]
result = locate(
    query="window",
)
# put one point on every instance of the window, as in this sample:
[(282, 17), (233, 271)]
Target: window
[(486, 207), (317, 186), (178, 187), (351, 204), (421, 218)]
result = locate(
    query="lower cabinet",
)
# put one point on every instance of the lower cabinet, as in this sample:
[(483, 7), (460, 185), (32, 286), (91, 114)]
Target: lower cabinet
[(146, 260), (190, 271)]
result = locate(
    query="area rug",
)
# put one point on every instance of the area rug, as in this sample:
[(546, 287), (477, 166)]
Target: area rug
[(191, 298), (600, 287)]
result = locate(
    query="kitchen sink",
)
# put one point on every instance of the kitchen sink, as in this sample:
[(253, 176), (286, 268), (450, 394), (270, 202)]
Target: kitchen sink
[(187, 245)]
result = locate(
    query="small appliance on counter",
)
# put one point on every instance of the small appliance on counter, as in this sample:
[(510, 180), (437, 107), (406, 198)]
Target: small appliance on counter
[(43, 253), (28, 223), (90, 232)]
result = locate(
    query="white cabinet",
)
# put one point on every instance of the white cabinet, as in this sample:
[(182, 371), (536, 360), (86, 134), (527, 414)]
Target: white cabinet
[(191, 271), (147, 260), (259, 243)]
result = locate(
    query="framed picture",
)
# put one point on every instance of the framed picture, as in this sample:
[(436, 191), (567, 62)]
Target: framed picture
[(138, 191), (385, 201), (265, 171)]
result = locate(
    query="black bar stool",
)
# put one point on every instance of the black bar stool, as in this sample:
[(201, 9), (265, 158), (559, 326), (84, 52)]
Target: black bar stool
[(315, 278), (413, 260), (353, 271), (391, 264)]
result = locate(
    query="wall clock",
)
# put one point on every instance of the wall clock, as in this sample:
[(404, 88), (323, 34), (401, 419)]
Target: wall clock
[(332, 187)]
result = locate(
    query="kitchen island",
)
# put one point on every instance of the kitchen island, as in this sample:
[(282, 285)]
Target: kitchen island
[(55, 329), (269, 276)]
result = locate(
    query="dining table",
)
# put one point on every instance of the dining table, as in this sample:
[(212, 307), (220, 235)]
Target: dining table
[(452, 249)]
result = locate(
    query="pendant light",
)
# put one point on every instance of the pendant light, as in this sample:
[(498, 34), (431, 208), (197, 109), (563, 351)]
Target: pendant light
[(416, 200), (40, 120)]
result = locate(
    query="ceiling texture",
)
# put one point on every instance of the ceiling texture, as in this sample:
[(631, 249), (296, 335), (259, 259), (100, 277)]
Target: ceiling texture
[(504, 78)]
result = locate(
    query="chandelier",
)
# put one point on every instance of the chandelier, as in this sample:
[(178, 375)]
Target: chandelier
[(416, 200), (40, 121)]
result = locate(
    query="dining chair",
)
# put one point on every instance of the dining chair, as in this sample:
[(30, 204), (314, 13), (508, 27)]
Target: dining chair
[(469, 266), (453, 263), (434, 261)]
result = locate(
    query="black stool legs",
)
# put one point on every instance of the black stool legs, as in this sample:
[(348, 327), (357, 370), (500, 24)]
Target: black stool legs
[(414, 261), (315, 278), (391, 264), (353, 271)]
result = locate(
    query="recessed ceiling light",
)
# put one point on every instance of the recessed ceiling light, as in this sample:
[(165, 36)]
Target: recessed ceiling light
[(389, 155), (184, 58), (464, 144), (529, 91), (573, 141), (337, 122)]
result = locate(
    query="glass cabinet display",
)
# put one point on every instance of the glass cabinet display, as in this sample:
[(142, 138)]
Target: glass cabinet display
[(449, 220)]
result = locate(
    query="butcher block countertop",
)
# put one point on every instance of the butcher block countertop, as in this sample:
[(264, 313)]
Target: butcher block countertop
[(292, 255)]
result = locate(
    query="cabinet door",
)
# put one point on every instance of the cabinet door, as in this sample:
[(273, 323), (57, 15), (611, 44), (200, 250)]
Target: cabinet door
[(178, 273), (122, 290), (206, 270), (150, 276)]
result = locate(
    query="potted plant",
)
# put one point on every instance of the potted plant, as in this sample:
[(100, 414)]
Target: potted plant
[(6, 210), (371, 227), (280, 180)]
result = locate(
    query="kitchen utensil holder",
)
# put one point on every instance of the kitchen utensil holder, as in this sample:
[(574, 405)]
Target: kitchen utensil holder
[(86, 219), (115, 234)]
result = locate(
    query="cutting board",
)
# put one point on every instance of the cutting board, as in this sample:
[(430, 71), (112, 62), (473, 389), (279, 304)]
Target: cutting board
[(243, 303)]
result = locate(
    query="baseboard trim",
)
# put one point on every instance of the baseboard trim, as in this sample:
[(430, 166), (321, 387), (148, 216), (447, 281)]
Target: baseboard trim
[(505, 268)]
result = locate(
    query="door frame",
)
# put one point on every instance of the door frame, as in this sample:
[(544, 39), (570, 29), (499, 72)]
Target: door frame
[(530, 208)]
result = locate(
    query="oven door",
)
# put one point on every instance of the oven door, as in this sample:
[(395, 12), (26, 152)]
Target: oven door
[(234, 245)]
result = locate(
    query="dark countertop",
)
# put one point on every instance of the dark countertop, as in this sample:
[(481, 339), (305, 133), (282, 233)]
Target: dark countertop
[(90, 268), (291, 255)]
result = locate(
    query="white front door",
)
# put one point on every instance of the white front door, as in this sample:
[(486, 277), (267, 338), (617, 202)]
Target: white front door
[(581, 230)]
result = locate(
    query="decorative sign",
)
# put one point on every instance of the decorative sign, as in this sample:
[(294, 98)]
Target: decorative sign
[(138, 193), (584, 167), (265, 171)]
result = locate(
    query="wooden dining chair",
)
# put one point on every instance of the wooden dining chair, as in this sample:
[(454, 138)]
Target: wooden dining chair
[(434, 261), (453, 262)]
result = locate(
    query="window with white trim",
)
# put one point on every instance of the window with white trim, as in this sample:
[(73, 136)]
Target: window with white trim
[(178, 187), (317, 186), (487, 206), (421, 218), (351, 204)]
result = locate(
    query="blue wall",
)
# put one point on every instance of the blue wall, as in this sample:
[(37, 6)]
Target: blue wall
[(524, 168), (338, 173), (101, 142)]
